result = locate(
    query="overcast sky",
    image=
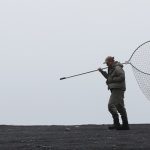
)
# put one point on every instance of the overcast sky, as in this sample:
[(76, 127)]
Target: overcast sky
[(43, 40)]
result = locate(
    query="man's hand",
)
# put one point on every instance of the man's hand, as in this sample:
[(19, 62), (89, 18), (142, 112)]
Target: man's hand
[(99, 69)]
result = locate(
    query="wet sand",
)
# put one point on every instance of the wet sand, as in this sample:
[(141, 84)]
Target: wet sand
[(83, 137)]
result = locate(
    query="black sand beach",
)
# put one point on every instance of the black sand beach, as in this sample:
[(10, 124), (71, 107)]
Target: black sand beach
[(82, 137)]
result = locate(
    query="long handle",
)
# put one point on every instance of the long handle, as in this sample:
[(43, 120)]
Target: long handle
[(126, 62), (81, 74)]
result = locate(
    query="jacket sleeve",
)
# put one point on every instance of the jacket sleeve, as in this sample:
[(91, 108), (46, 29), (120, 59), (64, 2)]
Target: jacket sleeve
[(104, 73), (120, 75)]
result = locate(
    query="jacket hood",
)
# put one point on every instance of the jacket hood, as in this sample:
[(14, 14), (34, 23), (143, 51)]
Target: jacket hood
[(116, 63)]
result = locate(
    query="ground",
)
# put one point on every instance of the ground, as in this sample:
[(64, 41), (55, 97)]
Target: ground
[(83, 137)]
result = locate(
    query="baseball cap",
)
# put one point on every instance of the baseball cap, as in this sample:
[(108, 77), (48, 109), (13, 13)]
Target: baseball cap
[(108, 58)]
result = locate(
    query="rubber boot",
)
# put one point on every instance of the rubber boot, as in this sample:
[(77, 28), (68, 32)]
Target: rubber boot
[(125, 125), (116, 124)]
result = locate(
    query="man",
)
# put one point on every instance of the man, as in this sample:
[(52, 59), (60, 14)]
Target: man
[(115, 79)]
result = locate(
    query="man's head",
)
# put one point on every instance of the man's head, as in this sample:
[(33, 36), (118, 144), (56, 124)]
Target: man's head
[(109, 61)]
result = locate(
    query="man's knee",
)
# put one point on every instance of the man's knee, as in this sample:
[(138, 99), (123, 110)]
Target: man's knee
[(121, 109), (112, 109)]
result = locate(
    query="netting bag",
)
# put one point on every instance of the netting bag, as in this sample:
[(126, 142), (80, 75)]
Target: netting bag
[(140, 62)]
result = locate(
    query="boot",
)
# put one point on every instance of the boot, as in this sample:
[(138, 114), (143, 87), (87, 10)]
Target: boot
[(125, 125), (116, 124)]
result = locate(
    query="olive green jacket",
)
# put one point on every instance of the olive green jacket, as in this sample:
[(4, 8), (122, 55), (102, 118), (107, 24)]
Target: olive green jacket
[(115, 77)]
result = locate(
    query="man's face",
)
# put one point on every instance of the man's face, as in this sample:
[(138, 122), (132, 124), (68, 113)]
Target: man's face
[(109, 63)]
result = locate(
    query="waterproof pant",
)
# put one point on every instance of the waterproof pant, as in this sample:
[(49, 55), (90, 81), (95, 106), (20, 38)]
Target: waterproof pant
[(116, 103)]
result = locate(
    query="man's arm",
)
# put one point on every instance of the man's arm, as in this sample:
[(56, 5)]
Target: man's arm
[(104, 73)]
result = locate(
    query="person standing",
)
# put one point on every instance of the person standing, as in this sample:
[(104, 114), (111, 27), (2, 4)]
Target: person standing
[(115, 80)]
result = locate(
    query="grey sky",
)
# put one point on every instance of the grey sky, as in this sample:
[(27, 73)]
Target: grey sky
[(43, 40)]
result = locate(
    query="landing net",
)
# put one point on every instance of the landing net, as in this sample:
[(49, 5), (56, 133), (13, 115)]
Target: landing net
[(140, 62)]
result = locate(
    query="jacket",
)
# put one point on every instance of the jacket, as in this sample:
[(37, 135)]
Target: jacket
[(115, 77)]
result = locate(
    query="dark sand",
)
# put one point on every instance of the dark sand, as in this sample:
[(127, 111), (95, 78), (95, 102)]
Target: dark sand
[(83, 137)]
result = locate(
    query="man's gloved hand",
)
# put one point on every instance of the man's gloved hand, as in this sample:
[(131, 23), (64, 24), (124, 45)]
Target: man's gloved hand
[(99, 69)]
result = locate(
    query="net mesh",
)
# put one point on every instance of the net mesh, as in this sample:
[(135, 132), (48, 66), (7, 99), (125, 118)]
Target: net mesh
[(140, 62)]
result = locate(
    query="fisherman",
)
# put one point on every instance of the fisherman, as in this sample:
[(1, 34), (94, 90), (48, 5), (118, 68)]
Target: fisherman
[(115, 80)]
